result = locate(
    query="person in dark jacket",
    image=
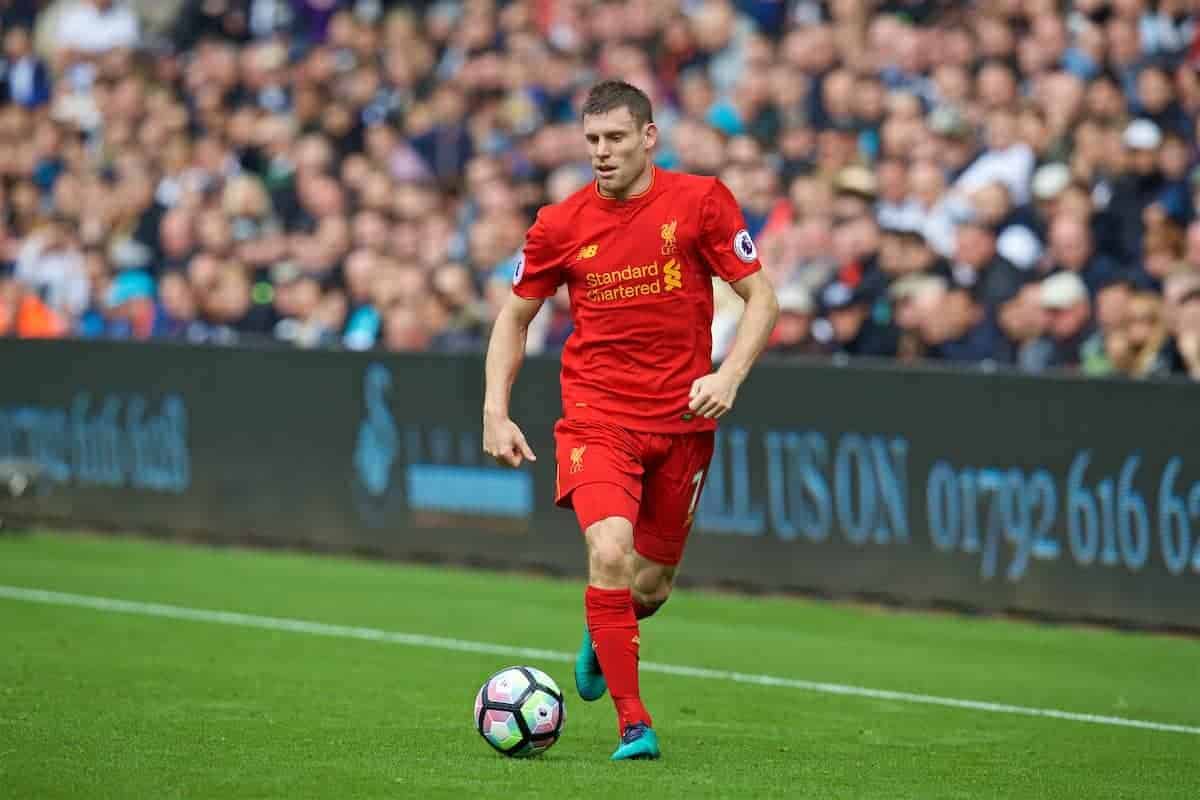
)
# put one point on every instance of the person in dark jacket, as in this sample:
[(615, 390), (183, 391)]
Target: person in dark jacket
[(1139, 186)]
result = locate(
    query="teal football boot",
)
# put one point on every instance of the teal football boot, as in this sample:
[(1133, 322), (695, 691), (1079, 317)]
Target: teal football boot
[(589, 680), (638, 742)]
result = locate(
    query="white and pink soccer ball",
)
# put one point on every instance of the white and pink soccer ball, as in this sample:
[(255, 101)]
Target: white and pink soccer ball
[(520, 712)]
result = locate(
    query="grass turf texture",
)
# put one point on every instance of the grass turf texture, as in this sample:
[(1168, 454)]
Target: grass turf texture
[(107, 705)]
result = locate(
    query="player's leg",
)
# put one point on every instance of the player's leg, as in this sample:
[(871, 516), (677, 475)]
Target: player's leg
[(607, 512), (670, 495), (604, 511), (600, 476), (614, 623), (614, 626)]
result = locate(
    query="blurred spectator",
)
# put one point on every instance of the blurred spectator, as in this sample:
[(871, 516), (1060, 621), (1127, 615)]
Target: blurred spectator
[(966, 332), (1112, 311), (976, 262), (848, 327), (917, 301), (453, 292), (1186, 329), (23, 314), (178, 305), (404, 330), (24, 78), (793, 332), (1139, 185), (1064, 300), (1071, 249), (1023, 321), (94, 27), (51, 264), (1136, 348)]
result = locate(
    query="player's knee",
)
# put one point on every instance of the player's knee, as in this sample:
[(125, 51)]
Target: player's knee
[(651, 588), (609, 547), (608, 560), (646, 605)]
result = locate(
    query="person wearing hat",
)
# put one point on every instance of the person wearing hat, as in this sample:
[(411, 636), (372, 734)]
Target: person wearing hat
[(915, 298), (848, 327), (1068, 311), (296, 301), (1139, 186), (955, 135), (129, 308), (854, 192), (793, 332), (1055, 192), (1049, 182)]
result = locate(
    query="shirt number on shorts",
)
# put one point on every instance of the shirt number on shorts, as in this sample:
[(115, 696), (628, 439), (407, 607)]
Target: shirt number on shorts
[(697, 481)]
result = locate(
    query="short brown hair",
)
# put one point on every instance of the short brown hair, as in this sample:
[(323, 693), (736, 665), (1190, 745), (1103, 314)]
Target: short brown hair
[(610, 95)]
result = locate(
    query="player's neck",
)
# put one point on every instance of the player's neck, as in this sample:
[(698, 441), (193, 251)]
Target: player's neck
[(639, 186)]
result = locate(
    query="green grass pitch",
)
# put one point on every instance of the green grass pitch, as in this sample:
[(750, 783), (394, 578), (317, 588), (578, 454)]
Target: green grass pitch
[(95, 703)]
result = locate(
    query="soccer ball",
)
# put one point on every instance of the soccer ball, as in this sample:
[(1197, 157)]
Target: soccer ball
[(520, 711)]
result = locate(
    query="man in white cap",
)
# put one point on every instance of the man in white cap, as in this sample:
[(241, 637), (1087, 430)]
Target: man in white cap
[(1139, 186), (1068, 309), (793, 332), (1050, 182)]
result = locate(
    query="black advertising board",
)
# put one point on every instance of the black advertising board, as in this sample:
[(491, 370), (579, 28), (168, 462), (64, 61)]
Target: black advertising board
[(1059, 496)]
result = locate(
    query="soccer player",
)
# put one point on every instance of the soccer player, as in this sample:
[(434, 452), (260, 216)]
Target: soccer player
[(637, 249)]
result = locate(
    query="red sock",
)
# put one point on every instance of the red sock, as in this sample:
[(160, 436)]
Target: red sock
[(614, 630)]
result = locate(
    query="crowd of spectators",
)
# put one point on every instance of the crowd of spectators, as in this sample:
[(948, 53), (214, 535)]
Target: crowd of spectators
[(1000, 182)]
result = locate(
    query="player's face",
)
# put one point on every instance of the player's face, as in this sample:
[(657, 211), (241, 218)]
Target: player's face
[(619, 149)]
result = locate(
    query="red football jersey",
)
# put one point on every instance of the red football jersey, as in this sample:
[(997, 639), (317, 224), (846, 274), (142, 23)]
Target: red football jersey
[(639, 272)]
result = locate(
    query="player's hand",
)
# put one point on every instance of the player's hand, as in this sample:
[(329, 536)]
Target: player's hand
[(503, 441), (712, 396)]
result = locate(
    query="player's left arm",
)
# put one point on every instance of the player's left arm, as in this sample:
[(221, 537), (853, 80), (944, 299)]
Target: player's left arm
[(730, 254), (713, 395)]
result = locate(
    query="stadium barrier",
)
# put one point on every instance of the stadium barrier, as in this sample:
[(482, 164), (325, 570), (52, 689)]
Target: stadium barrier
[(1055, 496)]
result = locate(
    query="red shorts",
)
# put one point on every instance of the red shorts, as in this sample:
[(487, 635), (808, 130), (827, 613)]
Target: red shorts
[(652, 479)]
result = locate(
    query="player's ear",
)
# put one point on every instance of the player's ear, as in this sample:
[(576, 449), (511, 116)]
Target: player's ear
[(650, 135)]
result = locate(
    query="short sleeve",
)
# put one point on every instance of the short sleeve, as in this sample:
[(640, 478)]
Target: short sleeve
[(725, 243), (539, 270)]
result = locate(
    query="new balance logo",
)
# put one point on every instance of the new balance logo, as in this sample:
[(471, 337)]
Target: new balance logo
[(672, 277), (588, 251)]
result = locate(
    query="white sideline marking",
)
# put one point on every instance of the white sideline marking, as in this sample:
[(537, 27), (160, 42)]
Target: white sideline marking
[(532, 653)]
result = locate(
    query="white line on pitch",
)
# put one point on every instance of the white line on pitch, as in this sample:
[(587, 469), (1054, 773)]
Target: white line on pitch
[(535, 654)]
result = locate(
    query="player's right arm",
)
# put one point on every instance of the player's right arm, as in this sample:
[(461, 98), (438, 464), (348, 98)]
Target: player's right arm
[(539, 274), (502, 439)]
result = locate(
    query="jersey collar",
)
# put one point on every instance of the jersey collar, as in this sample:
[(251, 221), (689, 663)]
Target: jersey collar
[(612, 202)]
